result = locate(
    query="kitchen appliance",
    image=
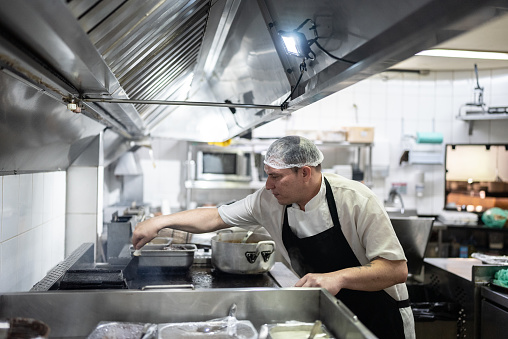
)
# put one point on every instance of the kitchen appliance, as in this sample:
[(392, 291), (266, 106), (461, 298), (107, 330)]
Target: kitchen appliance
[(213, 163), (230, 255)]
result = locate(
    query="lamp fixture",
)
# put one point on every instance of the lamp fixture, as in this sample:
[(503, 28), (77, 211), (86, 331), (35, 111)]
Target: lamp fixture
[(452, 53), (296, 43)]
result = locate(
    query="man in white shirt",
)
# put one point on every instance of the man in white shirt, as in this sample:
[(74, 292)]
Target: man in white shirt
[(333, 231)]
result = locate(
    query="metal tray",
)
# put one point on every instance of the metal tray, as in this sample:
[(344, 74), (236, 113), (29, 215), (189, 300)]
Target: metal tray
[(158, 243), (173, 256)]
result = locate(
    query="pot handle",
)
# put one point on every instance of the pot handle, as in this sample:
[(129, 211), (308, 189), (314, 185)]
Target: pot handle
[(265, 254)]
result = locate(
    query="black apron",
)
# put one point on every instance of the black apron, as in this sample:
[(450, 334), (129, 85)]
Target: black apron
[(329, 251)]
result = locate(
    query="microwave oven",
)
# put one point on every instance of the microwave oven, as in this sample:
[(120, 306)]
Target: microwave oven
[(223, 164)]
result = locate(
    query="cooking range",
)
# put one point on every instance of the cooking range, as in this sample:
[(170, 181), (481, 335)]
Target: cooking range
[(78, 297), (81, 273)]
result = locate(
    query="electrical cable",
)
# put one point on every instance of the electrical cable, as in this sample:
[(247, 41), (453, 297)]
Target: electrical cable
[(314, 41), (303, 68), (331, 55)]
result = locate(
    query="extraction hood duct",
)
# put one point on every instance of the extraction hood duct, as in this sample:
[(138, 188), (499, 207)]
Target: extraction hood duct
[(145, 68)]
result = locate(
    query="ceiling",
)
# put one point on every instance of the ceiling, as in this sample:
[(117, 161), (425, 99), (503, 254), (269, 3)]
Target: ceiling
[(489, 37)]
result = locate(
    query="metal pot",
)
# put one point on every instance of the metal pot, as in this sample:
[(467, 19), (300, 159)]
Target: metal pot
[(230, 255)]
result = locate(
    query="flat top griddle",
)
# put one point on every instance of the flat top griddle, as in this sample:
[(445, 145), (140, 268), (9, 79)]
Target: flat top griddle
[(130, 276), (198, 275)]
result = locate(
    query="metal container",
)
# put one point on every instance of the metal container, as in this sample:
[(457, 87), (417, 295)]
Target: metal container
[(230, 255), (76, 314), (177, 256), (158, 243)]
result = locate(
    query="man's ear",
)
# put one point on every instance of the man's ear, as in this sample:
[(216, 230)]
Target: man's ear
[(306, 171)]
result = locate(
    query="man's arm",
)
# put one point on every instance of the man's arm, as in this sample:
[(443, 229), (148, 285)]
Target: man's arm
[(199, 220), (379, 274)]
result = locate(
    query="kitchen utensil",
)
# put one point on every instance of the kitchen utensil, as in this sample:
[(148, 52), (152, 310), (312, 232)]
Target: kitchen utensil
[(315, 329), (249, 233), (149, 331)]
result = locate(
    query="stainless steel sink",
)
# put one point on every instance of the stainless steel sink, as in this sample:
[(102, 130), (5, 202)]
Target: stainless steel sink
[(396, 212)]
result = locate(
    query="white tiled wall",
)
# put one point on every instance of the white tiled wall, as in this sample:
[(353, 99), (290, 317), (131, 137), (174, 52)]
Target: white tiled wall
[(398, 104), (32, 217), (84, 195)]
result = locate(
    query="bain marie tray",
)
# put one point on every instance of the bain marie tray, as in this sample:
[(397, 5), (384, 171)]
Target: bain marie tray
[(173, 256)]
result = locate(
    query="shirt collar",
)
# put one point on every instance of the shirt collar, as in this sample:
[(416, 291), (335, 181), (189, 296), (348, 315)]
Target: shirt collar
[(316, 201)]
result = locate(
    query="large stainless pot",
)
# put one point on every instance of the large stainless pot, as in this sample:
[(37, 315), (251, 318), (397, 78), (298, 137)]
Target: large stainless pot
[(253, 257)]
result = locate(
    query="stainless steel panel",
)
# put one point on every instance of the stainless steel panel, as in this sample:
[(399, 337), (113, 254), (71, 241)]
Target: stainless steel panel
[(76, 314), (199, 50), (413, 234), (38, 133)]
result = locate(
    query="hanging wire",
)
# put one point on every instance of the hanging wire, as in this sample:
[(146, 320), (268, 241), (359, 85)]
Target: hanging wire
[(303, 68), (314, 41)]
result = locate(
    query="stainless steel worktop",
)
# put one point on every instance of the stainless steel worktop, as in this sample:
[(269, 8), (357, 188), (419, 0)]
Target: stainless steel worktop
[(460, 267)]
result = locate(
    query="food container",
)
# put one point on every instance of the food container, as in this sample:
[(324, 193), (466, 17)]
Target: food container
[(229, 255), (295, 330), (176, 256), (219, 328)]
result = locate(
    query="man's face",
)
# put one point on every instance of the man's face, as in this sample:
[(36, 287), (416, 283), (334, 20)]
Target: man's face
[(285, 184)]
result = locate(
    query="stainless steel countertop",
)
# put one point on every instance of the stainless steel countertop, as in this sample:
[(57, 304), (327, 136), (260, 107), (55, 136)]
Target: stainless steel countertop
[(462, 267)]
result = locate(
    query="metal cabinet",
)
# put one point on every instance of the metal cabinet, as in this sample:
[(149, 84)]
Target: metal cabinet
[(494, 320)]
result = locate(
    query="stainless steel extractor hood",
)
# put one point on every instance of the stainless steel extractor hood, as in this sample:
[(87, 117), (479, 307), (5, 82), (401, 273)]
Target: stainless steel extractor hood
[(128, 65)]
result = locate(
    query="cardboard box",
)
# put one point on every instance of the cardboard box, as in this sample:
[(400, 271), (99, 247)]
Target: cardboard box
[(334, 136), (360, 134)]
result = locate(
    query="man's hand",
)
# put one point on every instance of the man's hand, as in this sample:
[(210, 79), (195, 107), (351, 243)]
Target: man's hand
[(328, 281), (379, 274), (144, 232)]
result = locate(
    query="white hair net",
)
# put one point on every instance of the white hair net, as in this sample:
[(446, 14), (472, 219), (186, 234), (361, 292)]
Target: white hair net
[(293, 151)]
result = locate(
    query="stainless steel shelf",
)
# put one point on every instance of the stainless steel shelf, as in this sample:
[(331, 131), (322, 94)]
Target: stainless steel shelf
[(203, 184), (483, 116), (472, 117)]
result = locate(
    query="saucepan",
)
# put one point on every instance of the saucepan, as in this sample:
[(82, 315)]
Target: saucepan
[(231, 255)]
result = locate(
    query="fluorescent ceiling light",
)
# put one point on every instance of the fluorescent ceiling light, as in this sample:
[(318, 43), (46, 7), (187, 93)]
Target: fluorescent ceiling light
[(449, 53)]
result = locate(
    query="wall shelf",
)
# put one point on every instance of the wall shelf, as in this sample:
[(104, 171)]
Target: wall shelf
[(209, 184), (472, 117)]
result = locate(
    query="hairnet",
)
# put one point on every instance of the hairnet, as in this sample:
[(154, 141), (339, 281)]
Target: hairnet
[(293, 151)]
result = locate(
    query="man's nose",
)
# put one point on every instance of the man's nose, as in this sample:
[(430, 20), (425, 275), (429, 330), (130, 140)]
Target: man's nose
[(269, 184)]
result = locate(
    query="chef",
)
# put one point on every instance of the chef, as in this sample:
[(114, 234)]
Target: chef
[(333, 231)]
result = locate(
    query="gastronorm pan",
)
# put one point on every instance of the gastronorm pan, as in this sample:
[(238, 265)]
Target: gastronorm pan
[(176, 256)]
